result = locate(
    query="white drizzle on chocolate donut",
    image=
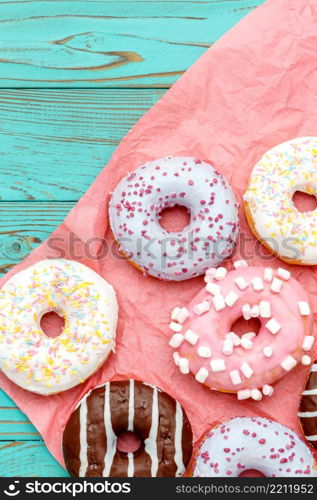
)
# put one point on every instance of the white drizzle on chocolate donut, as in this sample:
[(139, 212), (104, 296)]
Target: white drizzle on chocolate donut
[(90, 436), (308, 407)]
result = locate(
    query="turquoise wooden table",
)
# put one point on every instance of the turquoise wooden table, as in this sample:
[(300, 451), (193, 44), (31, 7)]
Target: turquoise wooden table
[(75, 76)]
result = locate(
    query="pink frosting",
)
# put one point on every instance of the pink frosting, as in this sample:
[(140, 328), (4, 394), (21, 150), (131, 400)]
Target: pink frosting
[(212, 327)]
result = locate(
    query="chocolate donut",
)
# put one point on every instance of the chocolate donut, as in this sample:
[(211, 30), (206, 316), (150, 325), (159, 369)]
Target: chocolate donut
[(90, 436), (308, 407)]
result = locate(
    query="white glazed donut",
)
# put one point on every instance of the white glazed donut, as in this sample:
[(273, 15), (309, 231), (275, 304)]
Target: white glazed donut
[(261, 444), (268, 200), (88, 304), (139, 199)]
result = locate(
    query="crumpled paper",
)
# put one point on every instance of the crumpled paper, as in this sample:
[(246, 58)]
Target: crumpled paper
[(253, 89)]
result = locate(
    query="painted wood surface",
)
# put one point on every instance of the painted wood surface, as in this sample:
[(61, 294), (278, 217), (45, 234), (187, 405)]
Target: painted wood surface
[(108, 43), (54, 143), (75, 75)]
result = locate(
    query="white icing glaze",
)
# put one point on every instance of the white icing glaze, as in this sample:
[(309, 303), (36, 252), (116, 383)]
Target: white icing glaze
[(150, 444), (83, 438), (283, 170), (178, 440), (139, 199), (111, 436), (253, 443), (88, 305)]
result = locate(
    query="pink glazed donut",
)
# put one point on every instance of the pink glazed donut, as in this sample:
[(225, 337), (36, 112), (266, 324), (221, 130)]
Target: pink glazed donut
[(206, 346), (253, 443)]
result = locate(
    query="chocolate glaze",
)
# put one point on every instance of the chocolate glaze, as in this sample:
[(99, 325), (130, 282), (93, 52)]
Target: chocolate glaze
[(167, 451), (309, 404)]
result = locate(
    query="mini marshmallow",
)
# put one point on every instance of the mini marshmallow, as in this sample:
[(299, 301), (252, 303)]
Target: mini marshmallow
[(201, 308), (183, 315), (234, 337), (218, 365), (241, 282), (246, 370), (227, 347), (208, 279), (288, 363), (204, 352), (273, 326), (265, 309), (231, 299), (244, 394), (213, 288), (220, 273), (235, 377), (176, 358), (267, 390), (304, 308), (268, 274), (175, 312), (257, 284), (283, 274), (256, 394), (308, 342), (276, 285), (240, 263), (202, 375), (249, 335), (183, 365), (219, 302), (246, 311), (267, 351), (176, 327), (176, 340), (191, 337), (246, 343), (306, 360), (211, 272), (255, 311)]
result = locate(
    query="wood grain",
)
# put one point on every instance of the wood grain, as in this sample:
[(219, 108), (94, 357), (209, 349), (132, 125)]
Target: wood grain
[(105, 43), (28, 459), (24, 225), (53, 143)]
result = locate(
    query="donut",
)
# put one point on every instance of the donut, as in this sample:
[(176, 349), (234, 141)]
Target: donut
[(206, 346), (308, 407), (44, 364), (242, 443), (268, 201), (139, 199), (163, 429)]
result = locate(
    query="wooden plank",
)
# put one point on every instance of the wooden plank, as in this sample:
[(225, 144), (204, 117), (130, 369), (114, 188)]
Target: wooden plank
[(28, 459), (105, 43), (53, 143), (24, 225), (14, 425)]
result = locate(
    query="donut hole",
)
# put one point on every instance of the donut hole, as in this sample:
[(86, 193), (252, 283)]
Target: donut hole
[(52, 324), (128, 442), (251, 473), (242, 326), (174, 219), (304, 202)]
